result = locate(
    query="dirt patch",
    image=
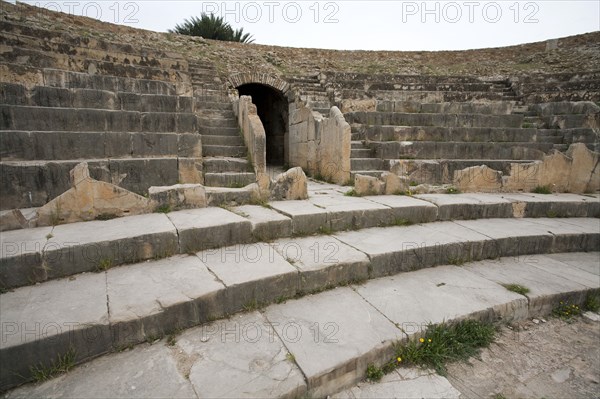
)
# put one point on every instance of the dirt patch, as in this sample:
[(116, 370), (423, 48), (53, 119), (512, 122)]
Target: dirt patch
[(554, 359)]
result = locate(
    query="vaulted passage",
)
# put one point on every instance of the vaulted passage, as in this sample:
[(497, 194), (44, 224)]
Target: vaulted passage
[(272, 109)]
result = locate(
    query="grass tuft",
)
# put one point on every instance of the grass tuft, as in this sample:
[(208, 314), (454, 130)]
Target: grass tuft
[(62, 364), (519, 289), (542, 190), (445, 343)]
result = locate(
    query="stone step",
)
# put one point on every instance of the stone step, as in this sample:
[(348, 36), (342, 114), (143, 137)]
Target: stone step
[(48, 96), (224, 151), (222, 164), (322, 111), (357, 144), (489, 108), (459, 150), (216, 113), (15, 117), (27, 184), (217, 122), (471, 134), (383, 85), (447, 120), (225, 284), (39, 254), (355, 136), (441, 171), (362, 152), (61, 42), (373, 173), (20, 145), (222, 140), (229, 179), (218, 131), (202, 105), (81, 64), (386, 311), (335, 77), (367, 164), (420, 96), (79, 80)]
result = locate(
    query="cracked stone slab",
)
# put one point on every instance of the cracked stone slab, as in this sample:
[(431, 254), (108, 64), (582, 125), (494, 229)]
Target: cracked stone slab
[(408, 208), (253, 274), (306, 217), (398, 249), (153, 298), (240, 357), (41, 322), (415, 299), (549, 281), (267, 224), (147, 371), (351, 212), (323, 261), (212, 227), (21, 256), (469, 206), (403, 383), (588, 261), (331, 345), (81, 247)]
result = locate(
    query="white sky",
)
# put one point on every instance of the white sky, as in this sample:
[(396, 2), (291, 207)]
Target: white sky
[(361, 24)]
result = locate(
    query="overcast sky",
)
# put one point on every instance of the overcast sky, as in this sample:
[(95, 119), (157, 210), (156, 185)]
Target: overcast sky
[(368, 25)]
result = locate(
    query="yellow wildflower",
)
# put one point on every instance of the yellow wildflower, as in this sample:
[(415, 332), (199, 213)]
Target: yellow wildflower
[(421, 340), (399, 359)]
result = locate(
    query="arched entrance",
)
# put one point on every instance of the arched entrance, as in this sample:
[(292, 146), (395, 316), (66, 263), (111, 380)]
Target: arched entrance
[(272, 109)]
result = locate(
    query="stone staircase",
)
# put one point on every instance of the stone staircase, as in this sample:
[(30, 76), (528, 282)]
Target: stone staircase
[(435, 125), (162, 274), (225, 153), (140, 117), (311, 90)]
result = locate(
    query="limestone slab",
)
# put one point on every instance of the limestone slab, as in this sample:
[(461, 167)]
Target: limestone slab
[(546, 288), (212, 227), (589, 261), (469, 206), (403, 383), (240, 358), (21, 256), (154, 298), (306, 217), (407, 208), (351, 212), (512, 236), (333, 346), (86, 246), (433, 295), (147, 371), (397, 249), (323, 261), (252, 273), (44, 321), (267, 224), (555, 205)]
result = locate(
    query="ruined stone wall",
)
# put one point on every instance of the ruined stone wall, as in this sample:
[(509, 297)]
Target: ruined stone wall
[(575, 53)]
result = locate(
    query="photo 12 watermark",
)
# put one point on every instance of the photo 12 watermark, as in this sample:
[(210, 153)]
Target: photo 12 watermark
[(470, 11), (118, 12)]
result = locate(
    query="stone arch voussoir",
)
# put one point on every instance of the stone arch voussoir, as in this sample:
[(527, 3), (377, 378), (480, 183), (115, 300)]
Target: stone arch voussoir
[(261, 78)]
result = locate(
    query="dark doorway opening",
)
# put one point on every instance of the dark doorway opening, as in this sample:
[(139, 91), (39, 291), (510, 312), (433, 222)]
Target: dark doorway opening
[(272, 109)]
